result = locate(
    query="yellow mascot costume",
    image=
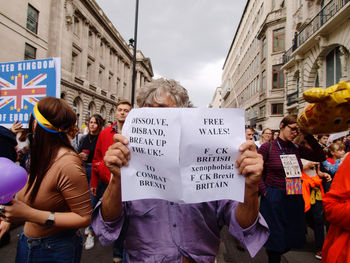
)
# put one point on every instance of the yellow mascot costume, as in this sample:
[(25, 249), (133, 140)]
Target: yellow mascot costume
[(329, 111)]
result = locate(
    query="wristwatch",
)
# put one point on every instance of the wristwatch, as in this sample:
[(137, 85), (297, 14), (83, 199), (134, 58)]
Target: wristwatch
[(50, 220)]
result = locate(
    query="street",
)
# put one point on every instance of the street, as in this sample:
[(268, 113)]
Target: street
[(228, 252)]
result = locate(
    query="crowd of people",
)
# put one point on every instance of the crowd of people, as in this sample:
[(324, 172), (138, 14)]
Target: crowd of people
[(292, 180), (289, 213)]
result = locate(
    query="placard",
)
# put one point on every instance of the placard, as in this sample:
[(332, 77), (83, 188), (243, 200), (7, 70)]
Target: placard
[(23, 84), (184, 155)]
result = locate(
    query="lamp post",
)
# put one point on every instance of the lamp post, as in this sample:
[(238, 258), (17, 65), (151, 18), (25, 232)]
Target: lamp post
[(134, 58)]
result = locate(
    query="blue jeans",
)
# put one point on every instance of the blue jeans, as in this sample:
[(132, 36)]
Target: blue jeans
[(60, 248), (285, 217)]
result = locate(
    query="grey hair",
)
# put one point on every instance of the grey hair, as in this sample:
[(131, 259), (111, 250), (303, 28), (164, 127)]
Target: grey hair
[(153, 91)]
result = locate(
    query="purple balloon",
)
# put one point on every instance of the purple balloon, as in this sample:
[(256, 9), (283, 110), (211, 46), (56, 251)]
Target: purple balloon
[(12, 179)]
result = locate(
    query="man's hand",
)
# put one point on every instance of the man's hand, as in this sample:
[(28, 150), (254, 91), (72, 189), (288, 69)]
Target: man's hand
[(250, 164), (117, 155)]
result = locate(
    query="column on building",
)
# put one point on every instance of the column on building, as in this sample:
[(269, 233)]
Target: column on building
[(92, 73), (117, 74), (121, 76), (84, 42), (56, 28)]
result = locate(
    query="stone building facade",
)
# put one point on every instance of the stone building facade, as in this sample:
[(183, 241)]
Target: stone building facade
[(216, 100), (96, 62), (280, 49), (318, 54), (252, 78)]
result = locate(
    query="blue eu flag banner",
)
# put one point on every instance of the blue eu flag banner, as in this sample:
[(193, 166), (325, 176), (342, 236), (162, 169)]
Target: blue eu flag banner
[(23, 84)]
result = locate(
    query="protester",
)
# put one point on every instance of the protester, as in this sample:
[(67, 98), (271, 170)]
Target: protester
[(312, 194), (8, 141), (266, 136), (249, 133), (322, 140), (55, 202), (85, 127), (22, 148), (86, 151), (347, 143), (282, 204), (100, 175), (162, 231), (336, 205), (336, 152), (249, 136)]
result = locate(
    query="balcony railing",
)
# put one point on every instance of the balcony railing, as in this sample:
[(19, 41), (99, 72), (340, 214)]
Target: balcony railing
[(292, 98), (326, 13)]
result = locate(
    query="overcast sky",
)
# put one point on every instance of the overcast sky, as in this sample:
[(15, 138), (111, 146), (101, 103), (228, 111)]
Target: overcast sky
[(187, 40)]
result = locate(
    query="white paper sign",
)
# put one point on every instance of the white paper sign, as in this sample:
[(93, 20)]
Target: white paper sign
[(184, 155), (290, 165)]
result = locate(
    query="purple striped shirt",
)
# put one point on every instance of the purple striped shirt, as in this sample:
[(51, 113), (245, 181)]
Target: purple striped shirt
[(273, 174)]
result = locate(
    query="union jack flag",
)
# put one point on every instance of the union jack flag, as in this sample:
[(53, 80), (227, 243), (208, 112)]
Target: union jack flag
[(22, 90), (23, 84)]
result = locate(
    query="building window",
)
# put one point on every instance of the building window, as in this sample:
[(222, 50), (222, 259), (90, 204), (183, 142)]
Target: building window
[(111, 115), (263, 81), (277, 77), (32, 19), (257, 88), (317, 81), (333, 67), (264, 48), (103, 112), (277, 109), (278, 40), (297, 81), (75, 106), (91, 109), (29, 52)]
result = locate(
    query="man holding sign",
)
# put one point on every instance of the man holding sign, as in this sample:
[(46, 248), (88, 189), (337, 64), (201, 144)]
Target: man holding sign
[(163, 231)]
